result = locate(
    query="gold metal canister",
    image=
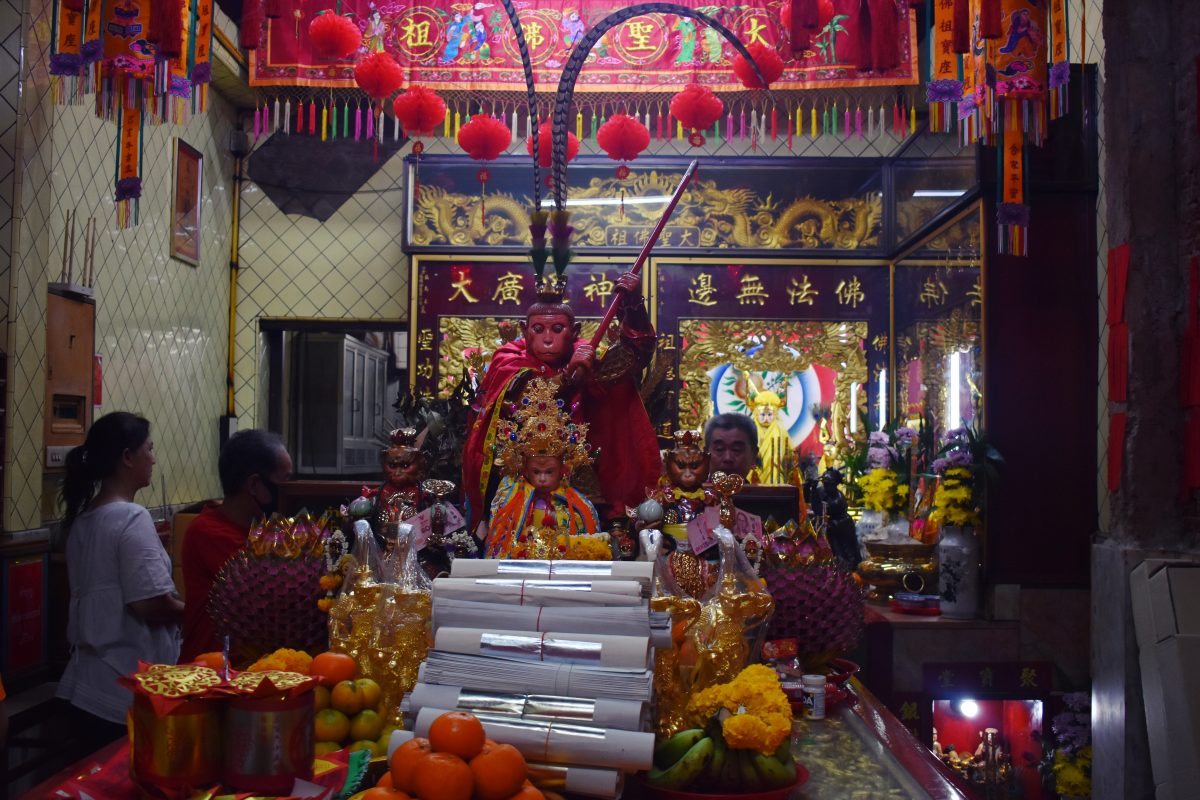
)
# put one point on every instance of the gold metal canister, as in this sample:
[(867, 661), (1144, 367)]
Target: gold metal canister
[(268, 743), (178, 750), (891, 568)]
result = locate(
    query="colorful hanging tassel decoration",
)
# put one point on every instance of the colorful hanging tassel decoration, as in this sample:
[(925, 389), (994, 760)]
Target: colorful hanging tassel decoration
[(1060, 66), (129, 166), (1012, 213), (945, 89)]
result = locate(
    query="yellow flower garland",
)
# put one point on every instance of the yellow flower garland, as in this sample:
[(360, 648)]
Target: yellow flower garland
[(761, 716)]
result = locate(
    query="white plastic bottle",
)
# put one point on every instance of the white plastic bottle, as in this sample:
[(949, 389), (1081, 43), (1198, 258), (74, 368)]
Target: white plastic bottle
[(814, 691)]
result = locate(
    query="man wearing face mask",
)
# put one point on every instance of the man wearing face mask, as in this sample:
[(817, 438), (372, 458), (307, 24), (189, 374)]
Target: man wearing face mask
[(252, 465)]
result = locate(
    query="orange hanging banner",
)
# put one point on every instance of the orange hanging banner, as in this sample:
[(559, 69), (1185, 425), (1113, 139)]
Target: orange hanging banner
[(945, 67), (129, 165), (1060, 65)]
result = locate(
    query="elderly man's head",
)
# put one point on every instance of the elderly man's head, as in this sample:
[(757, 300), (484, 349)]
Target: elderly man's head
[(732, 439)]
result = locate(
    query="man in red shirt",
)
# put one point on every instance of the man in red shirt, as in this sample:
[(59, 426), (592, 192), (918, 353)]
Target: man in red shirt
[(252, 464)]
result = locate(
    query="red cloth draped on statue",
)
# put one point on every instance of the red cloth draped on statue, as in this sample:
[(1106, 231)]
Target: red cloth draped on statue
[(619, 427)]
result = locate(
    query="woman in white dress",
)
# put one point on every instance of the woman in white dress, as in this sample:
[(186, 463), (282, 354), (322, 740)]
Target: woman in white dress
[(123, 602)]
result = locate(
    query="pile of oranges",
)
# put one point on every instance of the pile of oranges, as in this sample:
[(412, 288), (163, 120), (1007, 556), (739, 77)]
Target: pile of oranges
[(347, 710), (456, 762)]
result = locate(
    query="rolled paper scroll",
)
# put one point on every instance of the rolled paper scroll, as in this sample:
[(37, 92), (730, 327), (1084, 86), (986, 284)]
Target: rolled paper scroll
[(611, 620), (628, 715), (550, 647), (515, 591), (561, 743), (583, 781), (639, 571), (518, 677)]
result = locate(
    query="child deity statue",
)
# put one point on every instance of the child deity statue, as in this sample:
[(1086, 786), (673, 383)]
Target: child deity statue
[(538, 449)]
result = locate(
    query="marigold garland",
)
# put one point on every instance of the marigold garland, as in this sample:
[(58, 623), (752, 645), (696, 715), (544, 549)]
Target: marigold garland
[(760, 714), (283, 660)]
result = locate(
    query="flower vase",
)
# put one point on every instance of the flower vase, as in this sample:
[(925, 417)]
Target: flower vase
[(958, 556), (869, 525)]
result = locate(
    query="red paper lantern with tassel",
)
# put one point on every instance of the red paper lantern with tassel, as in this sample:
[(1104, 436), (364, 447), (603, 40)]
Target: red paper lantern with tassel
[(768, 61), (696, 108), (419, 110), (545, 145), (624, 138), (484, 138), (378, 75), (250, 31), (989, 20), (170, 27), (333, 36)]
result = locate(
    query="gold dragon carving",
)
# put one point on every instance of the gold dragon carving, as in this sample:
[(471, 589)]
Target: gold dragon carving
[(724, 218), (787, 346)]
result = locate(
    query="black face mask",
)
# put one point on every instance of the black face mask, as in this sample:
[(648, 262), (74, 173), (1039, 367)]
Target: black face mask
[(271, 506)]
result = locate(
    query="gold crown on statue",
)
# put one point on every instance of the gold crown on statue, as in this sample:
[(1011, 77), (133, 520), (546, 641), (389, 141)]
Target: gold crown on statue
[(689, 440), (402, 439), (540, 426), (551, 288)]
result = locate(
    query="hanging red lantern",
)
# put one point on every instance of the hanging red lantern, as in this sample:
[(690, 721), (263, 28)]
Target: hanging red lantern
[(484, 138), (696, 108), (624, 138), (333, 37), (769, 63), (545, 145), (378, 75), (419, 110)]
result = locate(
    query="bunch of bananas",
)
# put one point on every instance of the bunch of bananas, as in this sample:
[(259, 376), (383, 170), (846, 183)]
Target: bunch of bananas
[(700, 756)]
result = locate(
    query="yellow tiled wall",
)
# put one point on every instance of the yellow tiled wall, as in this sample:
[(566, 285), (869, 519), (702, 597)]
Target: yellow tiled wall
[(161, 324)]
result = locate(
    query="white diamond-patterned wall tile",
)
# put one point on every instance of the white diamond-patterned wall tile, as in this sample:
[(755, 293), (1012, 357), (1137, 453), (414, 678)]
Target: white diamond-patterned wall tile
[(10, 93), (26, 338), (161, 325), (1087, 42)]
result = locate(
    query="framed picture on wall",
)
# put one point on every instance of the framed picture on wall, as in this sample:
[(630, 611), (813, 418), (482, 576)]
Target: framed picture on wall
[(185, 203)]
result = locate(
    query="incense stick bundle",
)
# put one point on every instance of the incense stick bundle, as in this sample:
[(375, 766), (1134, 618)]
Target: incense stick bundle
[(62, 275), (70, 245)]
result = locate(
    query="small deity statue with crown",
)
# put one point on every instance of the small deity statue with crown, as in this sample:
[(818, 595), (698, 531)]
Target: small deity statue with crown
[(538, 449), (399, 496)]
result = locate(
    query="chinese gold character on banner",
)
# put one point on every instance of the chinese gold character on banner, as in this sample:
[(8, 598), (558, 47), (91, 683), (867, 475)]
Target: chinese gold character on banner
[(1028, 678), (880, 342), (460, 284), (850, 293), (618, 237), (702, 290), (933, 293), (985, 677), (908, 711), (425, 339), (415, 34), (600, 288), (801, 291), (753, 33), (666, 341), (425, 369), (508, 289), (976, 294), (752, 291), (533, 34), (639, 35), (946, 678)]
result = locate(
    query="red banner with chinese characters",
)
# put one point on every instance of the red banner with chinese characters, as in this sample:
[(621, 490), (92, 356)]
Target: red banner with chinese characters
[(24, 603), (450, 46)]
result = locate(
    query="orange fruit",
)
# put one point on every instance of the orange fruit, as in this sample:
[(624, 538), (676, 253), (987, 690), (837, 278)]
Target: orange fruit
[(215, 660), (366, 724), (332, 668), (459, 733), (320, 698), (370, 692), (442, 776), (499, 771), (382, 793), (331, 726), (385, 781), (528, 792), (347, 698), (404, 760)]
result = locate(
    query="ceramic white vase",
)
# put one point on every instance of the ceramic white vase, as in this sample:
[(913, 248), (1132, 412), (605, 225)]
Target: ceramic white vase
[(958, 572)]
